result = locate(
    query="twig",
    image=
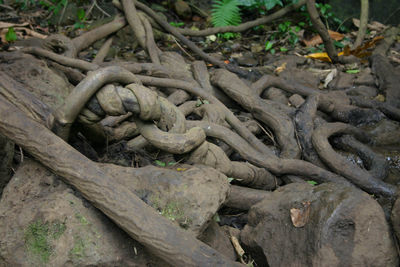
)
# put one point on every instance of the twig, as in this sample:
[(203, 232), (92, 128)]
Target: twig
[(63, 12), (183, 49), (99, 8)]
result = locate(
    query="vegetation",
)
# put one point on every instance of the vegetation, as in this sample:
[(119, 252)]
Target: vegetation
[(38, 238)]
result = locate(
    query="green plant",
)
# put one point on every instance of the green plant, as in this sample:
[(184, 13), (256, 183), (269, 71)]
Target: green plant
[(331, 20), (225, 13), (11, 36), (54, 6), (177, 24), (81, 14), (285, 30)]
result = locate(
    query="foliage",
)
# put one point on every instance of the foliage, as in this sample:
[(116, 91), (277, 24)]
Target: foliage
[(78, 250), (177, 24), (285, 31), (311, 182), (11, 36), (331, 20), (225, 13), (54, 6), (81, 19)]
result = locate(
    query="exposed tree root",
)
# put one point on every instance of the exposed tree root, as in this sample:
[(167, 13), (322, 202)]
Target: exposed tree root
[(339, 164), (151, 229)]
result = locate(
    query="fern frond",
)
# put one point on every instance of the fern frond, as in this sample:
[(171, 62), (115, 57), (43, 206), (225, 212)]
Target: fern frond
[(225, 13)]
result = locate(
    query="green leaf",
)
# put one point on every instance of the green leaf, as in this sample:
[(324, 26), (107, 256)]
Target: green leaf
[(353, 71), (206, 102), (268, 45), (171, 163), (216, 217), (272, 51), (177, 24), (81, 14), (311, 182), (338, 44), (230, 179), (283, 49), (11, 36), (270, 4), (225, 13), (199, 103), (79, 25), (159, 163)]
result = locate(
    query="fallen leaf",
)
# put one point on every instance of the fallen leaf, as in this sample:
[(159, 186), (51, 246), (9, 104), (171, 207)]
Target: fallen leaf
[(316, 40), (373, 26), (280, 68), (331, 75), (380, 98), (360, 51), (300, 216)]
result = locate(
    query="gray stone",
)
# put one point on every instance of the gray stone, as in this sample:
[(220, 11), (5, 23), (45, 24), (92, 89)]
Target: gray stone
[(325, 225), (362, 90), (365, 78)]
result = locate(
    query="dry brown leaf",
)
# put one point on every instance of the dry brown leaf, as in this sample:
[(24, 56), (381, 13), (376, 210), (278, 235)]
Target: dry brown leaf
[(316, 40), (360, 52), (373, 26), (380, 98), (280, 68), (300, 216)]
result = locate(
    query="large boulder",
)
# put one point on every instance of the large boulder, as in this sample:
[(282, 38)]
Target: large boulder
[(43, 222), (325, 225), (188, 195)]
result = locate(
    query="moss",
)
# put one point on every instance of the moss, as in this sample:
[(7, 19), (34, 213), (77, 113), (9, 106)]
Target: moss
[(78, 251), (38, 238), (81, 219), (172, 210)]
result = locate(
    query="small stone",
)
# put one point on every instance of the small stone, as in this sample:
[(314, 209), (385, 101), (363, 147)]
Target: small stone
[(183, 9), (256, 48)]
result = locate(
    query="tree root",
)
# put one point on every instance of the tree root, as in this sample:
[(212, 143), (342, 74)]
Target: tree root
[(151, 229), (339, 164)]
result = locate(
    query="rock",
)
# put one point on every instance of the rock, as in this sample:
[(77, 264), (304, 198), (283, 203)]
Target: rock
[(247, 60), (395, 218), (218, 238), (256, 48), (183, 9), (190, 196), (362, 90), (36, 77), (304, 77), (6, 157), (325, 225), (342, 81), (45, 223), (365, 78)]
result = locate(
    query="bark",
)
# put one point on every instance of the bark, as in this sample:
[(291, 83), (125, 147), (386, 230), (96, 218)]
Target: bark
[(363, 23), (321, 29)]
